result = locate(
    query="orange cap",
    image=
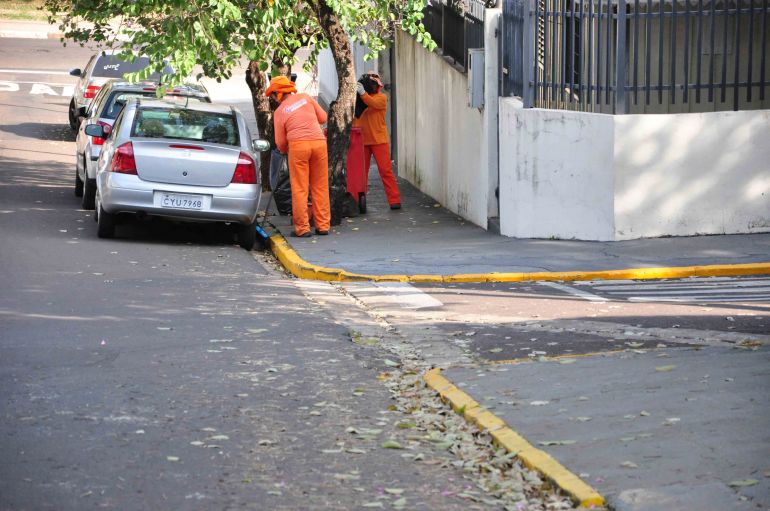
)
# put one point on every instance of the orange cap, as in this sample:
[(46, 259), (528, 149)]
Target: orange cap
[(281, 84)]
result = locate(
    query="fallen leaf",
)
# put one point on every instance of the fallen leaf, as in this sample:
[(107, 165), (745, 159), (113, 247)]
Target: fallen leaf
[(635, 344), (392, 444), (265, 442), (557, 442), (665, 369), (495, 350), (743, 482), (172, 458), (399, 503), (583, 419), (196, 443), (629, 464), (373, 504), (391, 363), (394, 491), (566, 361), (539, 403), (219, 437), (355, 451), (644, 413)]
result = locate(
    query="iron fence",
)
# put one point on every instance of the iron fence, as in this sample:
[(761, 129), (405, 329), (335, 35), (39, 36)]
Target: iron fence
[(455, 26), (620, 56)]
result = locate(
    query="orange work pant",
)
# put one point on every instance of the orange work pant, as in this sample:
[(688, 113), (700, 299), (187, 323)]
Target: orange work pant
[(381, 154), (309, 171)]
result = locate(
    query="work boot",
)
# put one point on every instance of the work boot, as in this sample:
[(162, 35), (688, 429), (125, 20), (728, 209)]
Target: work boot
[(395, 206), (303, 235)]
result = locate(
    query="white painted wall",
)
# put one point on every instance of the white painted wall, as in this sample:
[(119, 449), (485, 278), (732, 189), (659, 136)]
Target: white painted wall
[(327, 72), (685, 174), (445, 148), (603, 177), (555, 173)]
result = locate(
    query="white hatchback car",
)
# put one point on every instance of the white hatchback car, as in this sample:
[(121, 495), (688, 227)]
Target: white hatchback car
[(104, 109), (195, 163), (101, 68)]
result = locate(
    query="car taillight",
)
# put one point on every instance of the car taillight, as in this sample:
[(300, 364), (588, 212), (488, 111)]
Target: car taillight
[(245, 170), (91, 91), (107, 129), (123, 159)]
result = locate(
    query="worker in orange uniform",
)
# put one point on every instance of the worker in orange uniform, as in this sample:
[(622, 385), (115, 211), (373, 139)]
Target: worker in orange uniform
[(298, 120), (375, 134)]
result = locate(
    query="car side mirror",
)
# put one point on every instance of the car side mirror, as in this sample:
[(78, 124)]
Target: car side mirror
[(260, 145), (95, 130), (76, 72)]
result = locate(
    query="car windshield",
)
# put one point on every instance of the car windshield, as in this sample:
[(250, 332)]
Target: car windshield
[(110, 66), (186, 124), (117, 100)]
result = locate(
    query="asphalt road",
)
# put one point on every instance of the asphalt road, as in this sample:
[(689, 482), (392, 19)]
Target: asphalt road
[(168, 368)]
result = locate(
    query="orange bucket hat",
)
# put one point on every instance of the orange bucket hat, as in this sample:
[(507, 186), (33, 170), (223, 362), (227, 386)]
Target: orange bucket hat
[(282, 85)]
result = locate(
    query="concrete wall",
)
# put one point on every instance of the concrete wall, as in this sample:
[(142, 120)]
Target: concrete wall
[(603, 177), (701, 173), (445, 148), (555, 173)]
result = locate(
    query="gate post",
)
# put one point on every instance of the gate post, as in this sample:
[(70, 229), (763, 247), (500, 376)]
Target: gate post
[(528, 52), (620, 59)]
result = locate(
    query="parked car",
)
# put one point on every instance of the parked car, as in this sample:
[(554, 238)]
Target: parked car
[(99, 69), (196, 162), (104, 109)]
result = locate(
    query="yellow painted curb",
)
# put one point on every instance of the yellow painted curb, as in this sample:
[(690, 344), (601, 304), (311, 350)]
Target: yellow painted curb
[(533, 458), (304, 270)]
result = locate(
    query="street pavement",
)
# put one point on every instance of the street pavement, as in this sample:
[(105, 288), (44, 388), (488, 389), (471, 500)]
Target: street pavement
[(654, 416)]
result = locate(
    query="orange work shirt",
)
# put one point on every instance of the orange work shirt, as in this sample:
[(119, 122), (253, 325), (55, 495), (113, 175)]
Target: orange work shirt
[(372, 121), (299, 117)]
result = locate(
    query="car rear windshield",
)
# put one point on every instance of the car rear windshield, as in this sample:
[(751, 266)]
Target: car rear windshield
[(110, 66), (186, 124), (118, 99)]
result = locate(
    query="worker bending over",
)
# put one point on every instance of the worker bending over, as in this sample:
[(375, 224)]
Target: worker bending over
[(375, 133), (297, 121)]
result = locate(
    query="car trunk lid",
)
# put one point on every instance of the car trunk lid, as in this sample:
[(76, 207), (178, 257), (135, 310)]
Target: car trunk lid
[(184, 163)]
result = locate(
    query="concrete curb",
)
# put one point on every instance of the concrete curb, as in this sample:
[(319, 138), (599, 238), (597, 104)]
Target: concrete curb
[(535, 459), (304, 270)]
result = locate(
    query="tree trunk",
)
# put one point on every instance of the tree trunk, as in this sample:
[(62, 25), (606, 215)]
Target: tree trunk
[(341, 109), (257, 82)]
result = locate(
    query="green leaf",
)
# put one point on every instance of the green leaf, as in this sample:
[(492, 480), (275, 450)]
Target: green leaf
[(743, 482), (392, 444)]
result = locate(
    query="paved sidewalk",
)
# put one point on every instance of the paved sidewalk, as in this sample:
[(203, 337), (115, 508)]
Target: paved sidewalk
[(424, 238), (675, 429)]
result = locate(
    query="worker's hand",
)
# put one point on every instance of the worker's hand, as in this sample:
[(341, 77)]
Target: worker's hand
[(360, 89)]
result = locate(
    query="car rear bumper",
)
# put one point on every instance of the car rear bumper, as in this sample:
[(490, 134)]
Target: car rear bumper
[(122, 193)]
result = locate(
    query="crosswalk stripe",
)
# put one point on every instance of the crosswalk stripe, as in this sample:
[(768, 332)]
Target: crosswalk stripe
[(725, 290), (576, 292), (683, 284), (700, 299)]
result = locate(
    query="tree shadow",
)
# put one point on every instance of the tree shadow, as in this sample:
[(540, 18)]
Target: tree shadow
[(40, 131)]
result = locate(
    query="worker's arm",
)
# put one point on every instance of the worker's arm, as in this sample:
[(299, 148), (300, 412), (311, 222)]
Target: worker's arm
[(319, 113), (280, 133), (377, 101)]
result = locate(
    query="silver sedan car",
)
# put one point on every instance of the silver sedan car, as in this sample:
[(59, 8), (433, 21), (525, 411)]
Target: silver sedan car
[(103, 110), (194, 162)]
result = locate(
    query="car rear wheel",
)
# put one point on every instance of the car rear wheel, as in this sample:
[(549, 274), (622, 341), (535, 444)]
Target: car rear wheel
[(73, 118), (78, 183), (105, 222), (247, 235), (89, 193)]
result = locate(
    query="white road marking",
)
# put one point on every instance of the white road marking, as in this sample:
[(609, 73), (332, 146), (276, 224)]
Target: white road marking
[(403, 294), (692, 290), (9, 87), (33, 72), (701, 299), (40, 88), (682, 284), (575, 292)]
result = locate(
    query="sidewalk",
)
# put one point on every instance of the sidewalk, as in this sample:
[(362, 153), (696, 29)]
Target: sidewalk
[(29, 29), (425, 242)]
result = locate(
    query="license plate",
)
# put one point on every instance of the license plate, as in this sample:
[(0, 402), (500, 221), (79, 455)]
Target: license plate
[(180, 201)]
